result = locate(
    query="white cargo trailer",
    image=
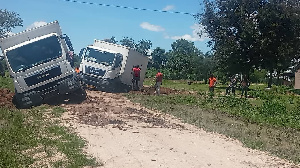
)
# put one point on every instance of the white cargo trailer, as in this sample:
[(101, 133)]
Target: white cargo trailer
[(37, 60), (108, 66)]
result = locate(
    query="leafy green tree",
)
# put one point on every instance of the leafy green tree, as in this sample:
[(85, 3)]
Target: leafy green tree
[(143, 46), (279, 27), (184, 60), (248, 34), (111, 40), (159, 58), (128, 42), (232, 27), (8, 21), (208, 66), (258, 76)]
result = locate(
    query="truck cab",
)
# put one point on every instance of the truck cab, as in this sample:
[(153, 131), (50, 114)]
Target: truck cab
[(37, 60), (108, 67), (101, 63)]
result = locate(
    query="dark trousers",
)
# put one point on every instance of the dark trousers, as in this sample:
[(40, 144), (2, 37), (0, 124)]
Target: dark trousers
[(135, 83), (244, 91), (230, 88)]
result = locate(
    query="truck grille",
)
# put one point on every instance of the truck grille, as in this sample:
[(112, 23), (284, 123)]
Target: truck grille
[(43, 76), (94, 71)]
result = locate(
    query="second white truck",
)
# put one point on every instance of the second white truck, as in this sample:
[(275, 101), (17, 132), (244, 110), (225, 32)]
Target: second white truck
[(108, 66)]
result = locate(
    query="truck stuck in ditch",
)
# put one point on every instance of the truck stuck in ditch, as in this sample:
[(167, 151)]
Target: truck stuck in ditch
[(108, 67), (38, 61)]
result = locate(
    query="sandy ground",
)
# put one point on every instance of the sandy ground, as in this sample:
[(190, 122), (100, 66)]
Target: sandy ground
[(121, 134)]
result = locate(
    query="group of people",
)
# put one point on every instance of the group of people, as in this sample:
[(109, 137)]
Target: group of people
[(136, 71), (232, 85)]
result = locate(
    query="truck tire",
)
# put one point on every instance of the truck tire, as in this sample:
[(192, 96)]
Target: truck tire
[(17, 101)]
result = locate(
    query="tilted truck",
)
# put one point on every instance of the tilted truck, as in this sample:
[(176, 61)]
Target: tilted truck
[(37, 60), (108, 67)]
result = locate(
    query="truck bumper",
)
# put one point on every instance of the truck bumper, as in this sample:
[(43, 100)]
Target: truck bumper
[(107, 85), (37, 95)]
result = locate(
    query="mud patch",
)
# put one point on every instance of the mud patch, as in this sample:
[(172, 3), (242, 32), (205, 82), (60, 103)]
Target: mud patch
[(102, 109), (6, 97)]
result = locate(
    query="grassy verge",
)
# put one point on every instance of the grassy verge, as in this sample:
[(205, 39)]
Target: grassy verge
[(6, 82), (269, 122), (33, 138)]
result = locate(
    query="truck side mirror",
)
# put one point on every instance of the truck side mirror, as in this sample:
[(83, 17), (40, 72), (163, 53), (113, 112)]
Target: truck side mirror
[(82, 51), (68, 41)]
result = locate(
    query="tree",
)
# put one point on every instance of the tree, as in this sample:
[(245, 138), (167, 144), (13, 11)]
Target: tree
[(208, 66), (111, 40), (159, 58), (279, 26), (128, 42), (232, 26), (248, 34), (184, 60), (143, 46), (8, 21)]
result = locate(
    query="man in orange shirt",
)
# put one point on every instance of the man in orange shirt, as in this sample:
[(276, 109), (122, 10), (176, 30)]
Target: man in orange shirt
[(136, 77), (212, 83), (158, 78), (77, 70)]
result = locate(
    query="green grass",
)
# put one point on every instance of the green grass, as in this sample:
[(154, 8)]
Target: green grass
[(235, 118), (269, 121), (6, 82), (183, 85), (57, 111), (27, 133)]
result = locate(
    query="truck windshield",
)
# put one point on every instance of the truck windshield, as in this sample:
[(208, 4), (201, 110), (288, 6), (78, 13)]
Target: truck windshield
[(100, 57), (35, 53)]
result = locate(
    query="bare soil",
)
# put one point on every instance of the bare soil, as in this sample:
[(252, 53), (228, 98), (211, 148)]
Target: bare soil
[(6, 97), (120, 133)]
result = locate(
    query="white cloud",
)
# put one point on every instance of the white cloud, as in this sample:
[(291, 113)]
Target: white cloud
[(198, 34), (169, 7), (36, 24), (151, 27)]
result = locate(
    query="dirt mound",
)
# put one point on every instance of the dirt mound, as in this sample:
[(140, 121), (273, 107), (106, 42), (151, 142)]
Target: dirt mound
[(6, 97), (101, 109)]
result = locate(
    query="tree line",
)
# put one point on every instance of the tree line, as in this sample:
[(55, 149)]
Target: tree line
[(249, 35)]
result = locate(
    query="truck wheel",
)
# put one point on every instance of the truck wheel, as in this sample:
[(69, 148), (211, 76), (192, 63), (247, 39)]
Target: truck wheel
[(15, 102), (80, 92)]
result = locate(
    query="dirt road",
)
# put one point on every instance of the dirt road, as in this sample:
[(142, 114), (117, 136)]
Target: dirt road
[(120, 133)]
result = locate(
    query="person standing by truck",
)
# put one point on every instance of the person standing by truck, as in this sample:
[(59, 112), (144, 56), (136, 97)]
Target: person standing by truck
[(158, 79), (136, 71), (212, 81)]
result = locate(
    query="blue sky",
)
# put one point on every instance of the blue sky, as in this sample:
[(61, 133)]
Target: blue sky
[(83, 22)]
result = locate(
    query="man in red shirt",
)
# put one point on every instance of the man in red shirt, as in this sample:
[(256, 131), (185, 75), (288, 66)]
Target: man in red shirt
[(158, 78), (136, 70), (212, 83)]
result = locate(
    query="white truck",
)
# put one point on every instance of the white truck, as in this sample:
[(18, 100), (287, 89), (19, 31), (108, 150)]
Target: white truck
[(108, 66), (37, 60)]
